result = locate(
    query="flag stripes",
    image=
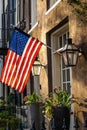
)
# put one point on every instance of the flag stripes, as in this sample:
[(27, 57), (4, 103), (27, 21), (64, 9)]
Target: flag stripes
[(17, 68)]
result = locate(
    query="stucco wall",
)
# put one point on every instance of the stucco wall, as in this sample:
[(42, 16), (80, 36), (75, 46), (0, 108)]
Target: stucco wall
[(78, 33)]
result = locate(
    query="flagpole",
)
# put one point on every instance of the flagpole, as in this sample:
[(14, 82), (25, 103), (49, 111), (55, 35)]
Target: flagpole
[(48, 46), (18, 29), (53, 51)]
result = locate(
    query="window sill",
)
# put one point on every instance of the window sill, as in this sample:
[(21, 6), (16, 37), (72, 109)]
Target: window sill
[(32, 28), (51, 8)]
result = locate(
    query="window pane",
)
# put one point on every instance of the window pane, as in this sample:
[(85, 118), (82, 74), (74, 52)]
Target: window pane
[(64, 76), (10, 4), (68, 75), (64, 86), (60, 42), (65, 70), (50, 3), (68, 87), (11, 18), (63, 65), (33, 12), (14, 4), (18, 11), (64, 39), (61, 37)]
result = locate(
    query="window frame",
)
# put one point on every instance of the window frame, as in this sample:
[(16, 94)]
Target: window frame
[(32, 14), (65, 79), (50, 8), (58, 33)]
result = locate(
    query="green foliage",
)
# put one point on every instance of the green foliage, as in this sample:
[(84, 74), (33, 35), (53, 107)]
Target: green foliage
[(5, 119), (13, 122), (33, 98), (11, 99), (8, 113), (79, 8), (2, 101), (63, 98), (81, 12), (4, 114), (57, 98), (3, 122), (77, 2)]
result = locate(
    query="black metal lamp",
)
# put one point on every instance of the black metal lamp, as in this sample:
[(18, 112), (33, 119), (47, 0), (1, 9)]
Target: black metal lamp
[(36, 69), (70, 53)]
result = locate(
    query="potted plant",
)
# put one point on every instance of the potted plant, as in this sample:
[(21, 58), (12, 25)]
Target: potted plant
[(33, 101), (57, 108)]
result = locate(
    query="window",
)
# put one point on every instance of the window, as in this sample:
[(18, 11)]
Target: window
[(11, 12), (32, 13), (8, 19), (50, 3), (65, 71), (61, 75), (17, 11), (20, 11)]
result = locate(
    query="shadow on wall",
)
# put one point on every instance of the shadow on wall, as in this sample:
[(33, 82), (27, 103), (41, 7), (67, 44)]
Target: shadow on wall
[(78, 124), (80, 70), (81, 102)]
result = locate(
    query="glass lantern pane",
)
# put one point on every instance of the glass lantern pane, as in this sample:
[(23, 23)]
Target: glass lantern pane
[(75, 58), (36, 69), (70, 58), (65, 58)]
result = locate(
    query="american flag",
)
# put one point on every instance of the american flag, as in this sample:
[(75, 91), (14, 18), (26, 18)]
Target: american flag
[(23, 50)]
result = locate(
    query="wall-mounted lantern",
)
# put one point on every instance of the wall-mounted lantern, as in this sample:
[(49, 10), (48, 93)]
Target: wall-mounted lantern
[(37, 66), (69, 53)]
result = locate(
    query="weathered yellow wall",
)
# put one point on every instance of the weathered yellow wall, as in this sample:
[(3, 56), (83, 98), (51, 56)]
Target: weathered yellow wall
[(78, 32), (46, 23)]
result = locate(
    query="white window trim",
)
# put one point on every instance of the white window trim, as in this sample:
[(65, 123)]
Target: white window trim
[(33, 28), (56, 51), (58, 30), (51, 8)]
